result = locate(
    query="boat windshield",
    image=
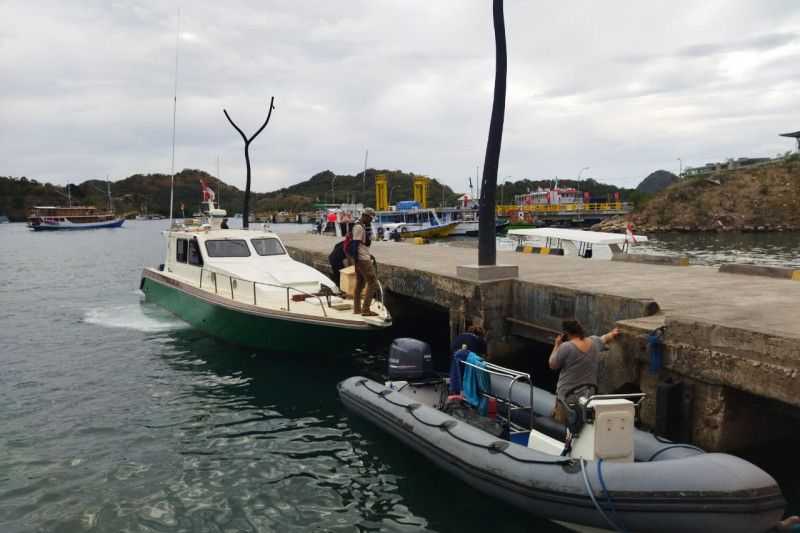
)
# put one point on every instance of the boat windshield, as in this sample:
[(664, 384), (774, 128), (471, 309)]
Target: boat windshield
[(227, 248), (268, 246)]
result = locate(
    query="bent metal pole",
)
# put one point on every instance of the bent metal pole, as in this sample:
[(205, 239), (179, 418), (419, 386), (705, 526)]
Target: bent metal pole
[(487, 246)]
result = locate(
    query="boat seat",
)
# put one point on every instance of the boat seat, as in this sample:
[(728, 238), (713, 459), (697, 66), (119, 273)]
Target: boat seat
[(542, 424)]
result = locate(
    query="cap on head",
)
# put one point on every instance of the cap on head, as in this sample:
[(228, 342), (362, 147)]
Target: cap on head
[(368, 211)]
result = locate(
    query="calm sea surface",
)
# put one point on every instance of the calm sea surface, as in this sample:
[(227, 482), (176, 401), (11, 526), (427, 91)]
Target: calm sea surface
[(118, 417)]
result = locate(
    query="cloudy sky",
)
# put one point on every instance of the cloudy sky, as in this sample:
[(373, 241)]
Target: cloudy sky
[(621, 87)]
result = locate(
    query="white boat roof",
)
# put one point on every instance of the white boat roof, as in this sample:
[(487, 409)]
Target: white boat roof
[(576, 235)]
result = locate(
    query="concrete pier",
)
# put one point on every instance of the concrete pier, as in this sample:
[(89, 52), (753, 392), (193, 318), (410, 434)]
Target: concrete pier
[(733, 339)]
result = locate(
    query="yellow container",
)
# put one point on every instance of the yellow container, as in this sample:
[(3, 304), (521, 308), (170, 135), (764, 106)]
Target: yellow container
[(420, 240)]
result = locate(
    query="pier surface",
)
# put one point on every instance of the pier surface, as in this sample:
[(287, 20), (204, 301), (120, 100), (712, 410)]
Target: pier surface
[(734, 338), (701, 292)]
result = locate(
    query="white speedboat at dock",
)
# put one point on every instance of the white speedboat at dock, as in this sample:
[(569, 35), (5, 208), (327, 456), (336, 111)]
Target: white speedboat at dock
[(243, 287)]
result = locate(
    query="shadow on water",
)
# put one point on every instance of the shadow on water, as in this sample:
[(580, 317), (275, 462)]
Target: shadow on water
[(302, 387)]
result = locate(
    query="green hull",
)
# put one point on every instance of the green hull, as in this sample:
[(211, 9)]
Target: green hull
[(254, 331)]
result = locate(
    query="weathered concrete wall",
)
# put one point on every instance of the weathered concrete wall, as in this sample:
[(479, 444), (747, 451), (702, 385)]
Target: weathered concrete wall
[(742, 381)]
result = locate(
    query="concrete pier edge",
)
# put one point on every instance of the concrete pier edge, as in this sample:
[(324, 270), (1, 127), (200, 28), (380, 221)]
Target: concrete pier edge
[(735, 345)]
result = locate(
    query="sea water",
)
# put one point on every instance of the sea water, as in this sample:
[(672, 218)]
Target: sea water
[(118, 416)]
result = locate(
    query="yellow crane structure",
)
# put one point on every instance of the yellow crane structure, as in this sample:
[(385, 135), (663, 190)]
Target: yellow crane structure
[(421, 190), (381, 193)]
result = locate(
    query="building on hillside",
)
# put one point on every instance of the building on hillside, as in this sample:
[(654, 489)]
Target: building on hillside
[(794, 135), (730, 164)]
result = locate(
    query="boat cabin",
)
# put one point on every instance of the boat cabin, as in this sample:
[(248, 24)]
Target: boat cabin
[(205, 257)]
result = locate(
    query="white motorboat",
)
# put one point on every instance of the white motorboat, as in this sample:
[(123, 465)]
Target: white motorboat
[(242, 286)]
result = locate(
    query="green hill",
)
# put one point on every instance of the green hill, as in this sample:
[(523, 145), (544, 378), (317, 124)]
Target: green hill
[(150, 192), (135, 194), (327, 187)]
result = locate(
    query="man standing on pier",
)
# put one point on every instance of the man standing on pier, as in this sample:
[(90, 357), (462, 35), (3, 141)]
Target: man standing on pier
[(365, 272)]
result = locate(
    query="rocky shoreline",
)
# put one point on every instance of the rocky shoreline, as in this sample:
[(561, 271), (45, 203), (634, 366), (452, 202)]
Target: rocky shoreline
[(620, 224)]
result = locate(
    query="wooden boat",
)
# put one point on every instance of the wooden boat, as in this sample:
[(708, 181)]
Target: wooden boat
[(409, 221), (443, 230), (50, 218)]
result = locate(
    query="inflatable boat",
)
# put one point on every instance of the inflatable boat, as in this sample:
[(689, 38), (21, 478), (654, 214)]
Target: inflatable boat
[(600, 471)]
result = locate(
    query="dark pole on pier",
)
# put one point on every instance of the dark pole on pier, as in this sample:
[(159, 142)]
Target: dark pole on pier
[(487, 249)]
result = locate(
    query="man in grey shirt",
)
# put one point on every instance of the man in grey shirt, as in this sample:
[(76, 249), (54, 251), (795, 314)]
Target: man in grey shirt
[(578, 359)]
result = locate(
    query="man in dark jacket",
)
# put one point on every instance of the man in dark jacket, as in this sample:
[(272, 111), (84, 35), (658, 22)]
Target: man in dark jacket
[(337, 261)]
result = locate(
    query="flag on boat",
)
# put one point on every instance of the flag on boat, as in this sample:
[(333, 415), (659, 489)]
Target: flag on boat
[(630, 237), (208, 194)]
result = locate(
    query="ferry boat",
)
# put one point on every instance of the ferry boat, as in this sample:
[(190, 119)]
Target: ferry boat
[(71, 218), (409, 220), (468, 220), (243, 287)]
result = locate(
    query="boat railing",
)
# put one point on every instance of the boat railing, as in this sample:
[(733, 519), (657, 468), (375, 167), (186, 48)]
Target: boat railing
[(234, 281), (514, 377)]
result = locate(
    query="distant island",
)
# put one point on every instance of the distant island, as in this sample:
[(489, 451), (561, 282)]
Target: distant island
[(759, 197), (149, 193)]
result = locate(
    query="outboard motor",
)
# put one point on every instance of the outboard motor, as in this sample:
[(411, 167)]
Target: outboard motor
[(411, 373), (410, 360)]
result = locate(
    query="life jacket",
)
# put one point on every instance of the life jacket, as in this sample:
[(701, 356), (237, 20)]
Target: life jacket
[(347, 243)]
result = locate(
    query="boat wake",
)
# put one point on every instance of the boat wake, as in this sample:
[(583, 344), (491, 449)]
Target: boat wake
[(135, 316)]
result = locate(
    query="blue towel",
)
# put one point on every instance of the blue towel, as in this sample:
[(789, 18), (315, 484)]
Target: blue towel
[(475, 381), (456, 368)]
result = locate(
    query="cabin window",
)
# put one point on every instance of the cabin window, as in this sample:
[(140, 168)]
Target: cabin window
[(268, 246), (227, 248), (195, 258), (181, 250)]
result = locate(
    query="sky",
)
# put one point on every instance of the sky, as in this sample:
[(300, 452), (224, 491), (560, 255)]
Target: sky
[(624, 88)]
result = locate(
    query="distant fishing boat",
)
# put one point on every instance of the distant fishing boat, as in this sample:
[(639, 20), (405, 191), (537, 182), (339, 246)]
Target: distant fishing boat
[(409, 220), (46, 218)]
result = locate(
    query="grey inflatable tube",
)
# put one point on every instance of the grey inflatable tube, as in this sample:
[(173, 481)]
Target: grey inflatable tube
[(646, 445), (702, 492)]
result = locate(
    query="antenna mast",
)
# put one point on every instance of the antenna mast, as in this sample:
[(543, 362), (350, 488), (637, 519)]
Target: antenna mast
[(174, 115)]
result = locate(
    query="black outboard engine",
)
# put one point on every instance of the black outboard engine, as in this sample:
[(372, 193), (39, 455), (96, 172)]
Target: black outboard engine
[(410, 360)]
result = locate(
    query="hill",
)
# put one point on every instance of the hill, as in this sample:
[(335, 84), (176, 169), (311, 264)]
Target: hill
[(150, 193), (137, 193), (759, 198), (657, 181), (327, 187)]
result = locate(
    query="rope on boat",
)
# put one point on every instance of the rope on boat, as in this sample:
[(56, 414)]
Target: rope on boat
[(687, 446), (605, 491), (448, 425), (590, 491)]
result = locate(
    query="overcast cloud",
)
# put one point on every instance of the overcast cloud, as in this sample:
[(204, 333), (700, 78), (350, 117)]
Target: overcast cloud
[(622, 87)]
